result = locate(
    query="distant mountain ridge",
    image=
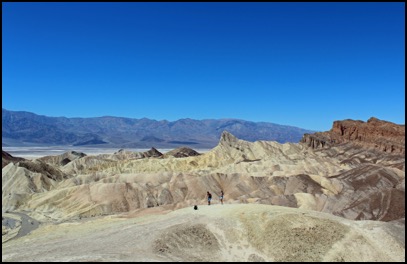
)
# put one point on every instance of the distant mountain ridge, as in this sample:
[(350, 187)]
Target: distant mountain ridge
[(25, 128)]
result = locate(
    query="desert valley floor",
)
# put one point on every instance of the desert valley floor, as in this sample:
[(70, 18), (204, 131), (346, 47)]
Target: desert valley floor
[(335, 196)]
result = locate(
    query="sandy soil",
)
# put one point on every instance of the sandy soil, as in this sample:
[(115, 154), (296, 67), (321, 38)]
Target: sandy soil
[(230, 232)]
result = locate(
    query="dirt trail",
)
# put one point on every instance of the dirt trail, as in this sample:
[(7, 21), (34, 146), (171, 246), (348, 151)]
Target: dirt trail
[(230, 232), (28, 224)]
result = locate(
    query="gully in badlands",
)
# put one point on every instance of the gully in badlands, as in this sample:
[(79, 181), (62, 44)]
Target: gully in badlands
[(335, 196)]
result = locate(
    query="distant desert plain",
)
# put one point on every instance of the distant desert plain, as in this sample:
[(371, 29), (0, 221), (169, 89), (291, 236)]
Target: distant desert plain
[(334, 196)]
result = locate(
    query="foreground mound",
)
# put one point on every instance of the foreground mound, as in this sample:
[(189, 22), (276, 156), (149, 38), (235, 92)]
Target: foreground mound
[(230, 232)]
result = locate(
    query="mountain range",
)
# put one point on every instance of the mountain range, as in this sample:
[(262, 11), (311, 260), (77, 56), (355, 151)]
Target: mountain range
[(20, 128), (337, 195)]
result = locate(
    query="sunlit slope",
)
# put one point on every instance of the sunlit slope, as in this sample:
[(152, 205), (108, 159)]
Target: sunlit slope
[(344, 180), (230, 232)]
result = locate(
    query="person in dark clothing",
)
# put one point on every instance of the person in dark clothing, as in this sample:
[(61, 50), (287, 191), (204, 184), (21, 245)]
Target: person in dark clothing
[(221, 196), (209, 196)]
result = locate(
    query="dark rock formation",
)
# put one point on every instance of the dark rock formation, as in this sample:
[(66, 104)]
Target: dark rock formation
[(43, 168), (182, 152), (378, 134), (63, 159), (342, 174), (6, 158), (153, 152), (123, 154)]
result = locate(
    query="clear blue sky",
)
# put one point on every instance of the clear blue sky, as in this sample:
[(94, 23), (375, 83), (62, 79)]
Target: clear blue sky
[(297, 64)]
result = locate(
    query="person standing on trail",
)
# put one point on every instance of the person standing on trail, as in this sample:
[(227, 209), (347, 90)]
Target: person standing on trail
[(221, 196), (209, 195)]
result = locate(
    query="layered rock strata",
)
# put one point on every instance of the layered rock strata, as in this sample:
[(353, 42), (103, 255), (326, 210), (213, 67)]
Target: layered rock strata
[(345, 180), (377, 134)]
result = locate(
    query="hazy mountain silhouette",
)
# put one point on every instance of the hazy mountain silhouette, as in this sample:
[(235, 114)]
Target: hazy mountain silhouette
[(25, 128)]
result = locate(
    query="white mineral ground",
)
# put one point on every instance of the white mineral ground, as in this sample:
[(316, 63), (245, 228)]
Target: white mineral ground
[(229, 232), (120, 207)]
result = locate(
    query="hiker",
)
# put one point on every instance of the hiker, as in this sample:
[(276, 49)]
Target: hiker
[(209, 195), (221, 196)]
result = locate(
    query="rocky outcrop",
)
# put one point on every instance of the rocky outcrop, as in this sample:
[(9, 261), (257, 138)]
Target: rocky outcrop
[(376, 134), (124, 154), (345, 180), (6, 158), (63, 159), (339, 173), (153, 152), (181, 152)]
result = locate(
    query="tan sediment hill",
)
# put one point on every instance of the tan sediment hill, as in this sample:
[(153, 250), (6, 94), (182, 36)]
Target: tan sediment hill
[(123, 154), (61, 160), (347, 180), (229, 232)]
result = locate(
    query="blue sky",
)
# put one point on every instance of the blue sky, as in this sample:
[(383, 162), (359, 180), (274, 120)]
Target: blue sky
[(297, 64)]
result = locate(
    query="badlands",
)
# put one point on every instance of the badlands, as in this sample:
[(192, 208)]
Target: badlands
[(335, 196)]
